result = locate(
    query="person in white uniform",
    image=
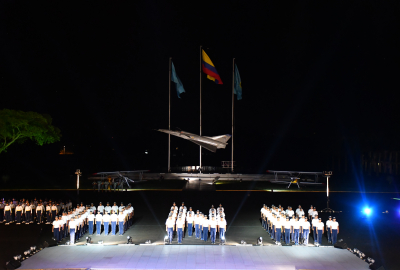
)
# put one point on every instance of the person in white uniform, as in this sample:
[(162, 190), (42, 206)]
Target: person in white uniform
[(334, 230), (328, 229), (305, 231), (100, 209), (170, 228)]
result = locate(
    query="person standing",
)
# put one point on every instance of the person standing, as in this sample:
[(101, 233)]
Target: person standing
[(39, 211), (100, 209), (72, 229), (310, 212), (334, 227), (108, 208), (296, 230), (328, 229), (48, 214), (206, 226), (196, 222), (115, 184), (320, 231), (2, 205), (18, 213), (120, 208), (170, 228), (99, 185), (53, 212), (56, 229), (278, 226), (114, 208), (180, 223), (213, 229), (305, 228), (28, 213), (221, 229), (189, 223), (106, 222), (114, 219), (121, 222), (288, 230), (7, 213), (91, 219), (314, 224), (99, 221)]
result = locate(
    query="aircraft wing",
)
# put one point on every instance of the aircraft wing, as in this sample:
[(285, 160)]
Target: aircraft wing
[(209, 147), (291, 172)]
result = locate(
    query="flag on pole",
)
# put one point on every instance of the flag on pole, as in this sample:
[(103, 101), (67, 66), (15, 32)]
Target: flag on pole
[(237, 89), (175, 79), (209, 69)]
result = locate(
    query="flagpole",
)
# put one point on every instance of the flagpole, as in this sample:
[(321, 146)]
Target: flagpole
[(169, 116), (200, 105), (233, 106)]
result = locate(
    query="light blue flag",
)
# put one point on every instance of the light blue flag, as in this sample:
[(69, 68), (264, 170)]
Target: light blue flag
[(175, 79), (237, 88)]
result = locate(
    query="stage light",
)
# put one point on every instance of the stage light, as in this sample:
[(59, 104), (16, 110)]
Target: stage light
[(100, 242), (259, 241), (67, 243), (88, 240), (367, 211), (129, 240), (243, 242), (148, 242), (370, 261), (166, 240), (33, 249), (317, 244)]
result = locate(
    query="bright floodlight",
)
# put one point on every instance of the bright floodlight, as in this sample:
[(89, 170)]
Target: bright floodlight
[(367, 211)]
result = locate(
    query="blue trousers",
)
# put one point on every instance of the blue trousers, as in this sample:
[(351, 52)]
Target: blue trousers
[(314, 234), (113, 227), (306, 233), (190, 229), (328, 232), (287, 236), (170, 234), (90, 227), (106, 228), (263, 223), (180, 234), (273, 232), (47, 216), (197, 230), (296, 236), (8, 216), (334, 236), (72, 236), (278, 234), (28, 217), (56, 234), (53, 215), (222, 235), (39, 216), (213, 233), (121, 228), (319, 237), (18, 216), (205, 234), (98, 227), (201, 233)]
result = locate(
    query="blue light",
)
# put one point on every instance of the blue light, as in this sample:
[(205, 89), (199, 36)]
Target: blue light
[(367, 211)]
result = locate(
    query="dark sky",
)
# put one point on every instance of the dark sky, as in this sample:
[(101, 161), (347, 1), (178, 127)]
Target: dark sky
[(320, 78)]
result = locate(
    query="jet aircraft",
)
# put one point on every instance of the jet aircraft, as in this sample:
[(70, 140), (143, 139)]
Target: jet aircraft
[(209, 143), (295, 178)]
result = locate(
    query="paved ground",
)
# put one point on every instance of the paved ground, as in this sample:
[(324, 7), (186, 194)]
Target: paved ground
[(374, 236), (194, 257)]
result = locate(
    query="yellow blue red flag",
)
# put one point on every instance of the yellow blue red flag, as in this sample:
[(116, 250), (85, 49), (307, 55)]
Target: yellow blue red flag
[(209, 69)]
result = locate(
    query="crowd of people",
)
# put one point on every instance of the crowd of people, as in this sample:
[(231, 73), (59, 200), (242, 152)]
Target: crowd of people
[(294, 226), (67, 221), (181, 219)]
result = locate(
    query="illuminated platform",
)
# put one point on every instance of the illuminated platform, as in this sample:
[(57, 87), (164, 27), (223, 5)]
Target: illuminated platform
[(193, 257)]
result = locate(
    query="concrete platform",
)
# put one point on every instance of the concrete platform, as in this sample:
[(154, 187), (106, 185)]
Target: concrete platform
[(193, 257)]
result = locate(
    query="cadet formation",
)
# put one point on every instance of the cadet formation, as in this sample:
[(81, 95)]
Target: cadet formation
[(67, 221), (197, 224), (290, 226)]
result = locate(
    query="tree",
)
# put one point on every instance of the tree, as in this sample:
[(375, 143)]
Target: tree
[(19, 126)]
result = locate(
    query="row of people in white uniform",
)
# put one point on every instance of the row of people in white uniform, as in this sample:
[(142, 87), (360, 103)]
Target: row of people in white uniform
[(294, 226), (83, 219), (25, 211), (179, 219)]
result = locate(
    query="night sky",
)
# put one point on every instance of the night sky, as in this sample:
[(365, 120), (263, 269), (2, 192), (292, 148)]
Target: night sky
[(320, 79)]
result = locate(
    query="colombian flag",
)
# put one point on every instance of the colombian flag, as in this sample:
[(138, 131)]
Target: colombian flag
[(209, 69)]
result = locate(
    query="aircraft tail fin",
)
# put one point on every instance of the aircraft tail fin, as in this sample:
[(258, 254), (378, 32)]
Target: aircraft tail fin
[(221, 138)]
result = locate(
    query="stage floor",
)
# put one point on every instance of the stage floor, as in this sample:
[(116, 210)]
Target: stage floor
[(193, 257)]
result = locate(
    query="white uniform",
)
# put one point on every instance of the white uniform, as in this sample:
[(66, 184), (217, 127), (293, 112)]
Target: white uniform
[(100, 208), (108, 209)]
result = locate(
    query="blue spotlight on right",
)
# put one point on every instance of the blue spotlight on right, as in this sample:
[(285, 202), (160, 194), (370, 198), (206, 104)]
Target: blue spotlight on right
[(367, 211)]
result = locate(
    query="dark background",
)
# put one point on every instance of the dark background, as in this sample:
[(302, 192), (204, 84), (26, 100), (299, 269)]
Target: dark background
[(320, 82)]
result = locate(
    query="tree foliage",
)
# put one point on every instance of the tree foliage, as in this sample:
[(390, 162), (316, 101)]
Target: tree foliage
[(19, 126)]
